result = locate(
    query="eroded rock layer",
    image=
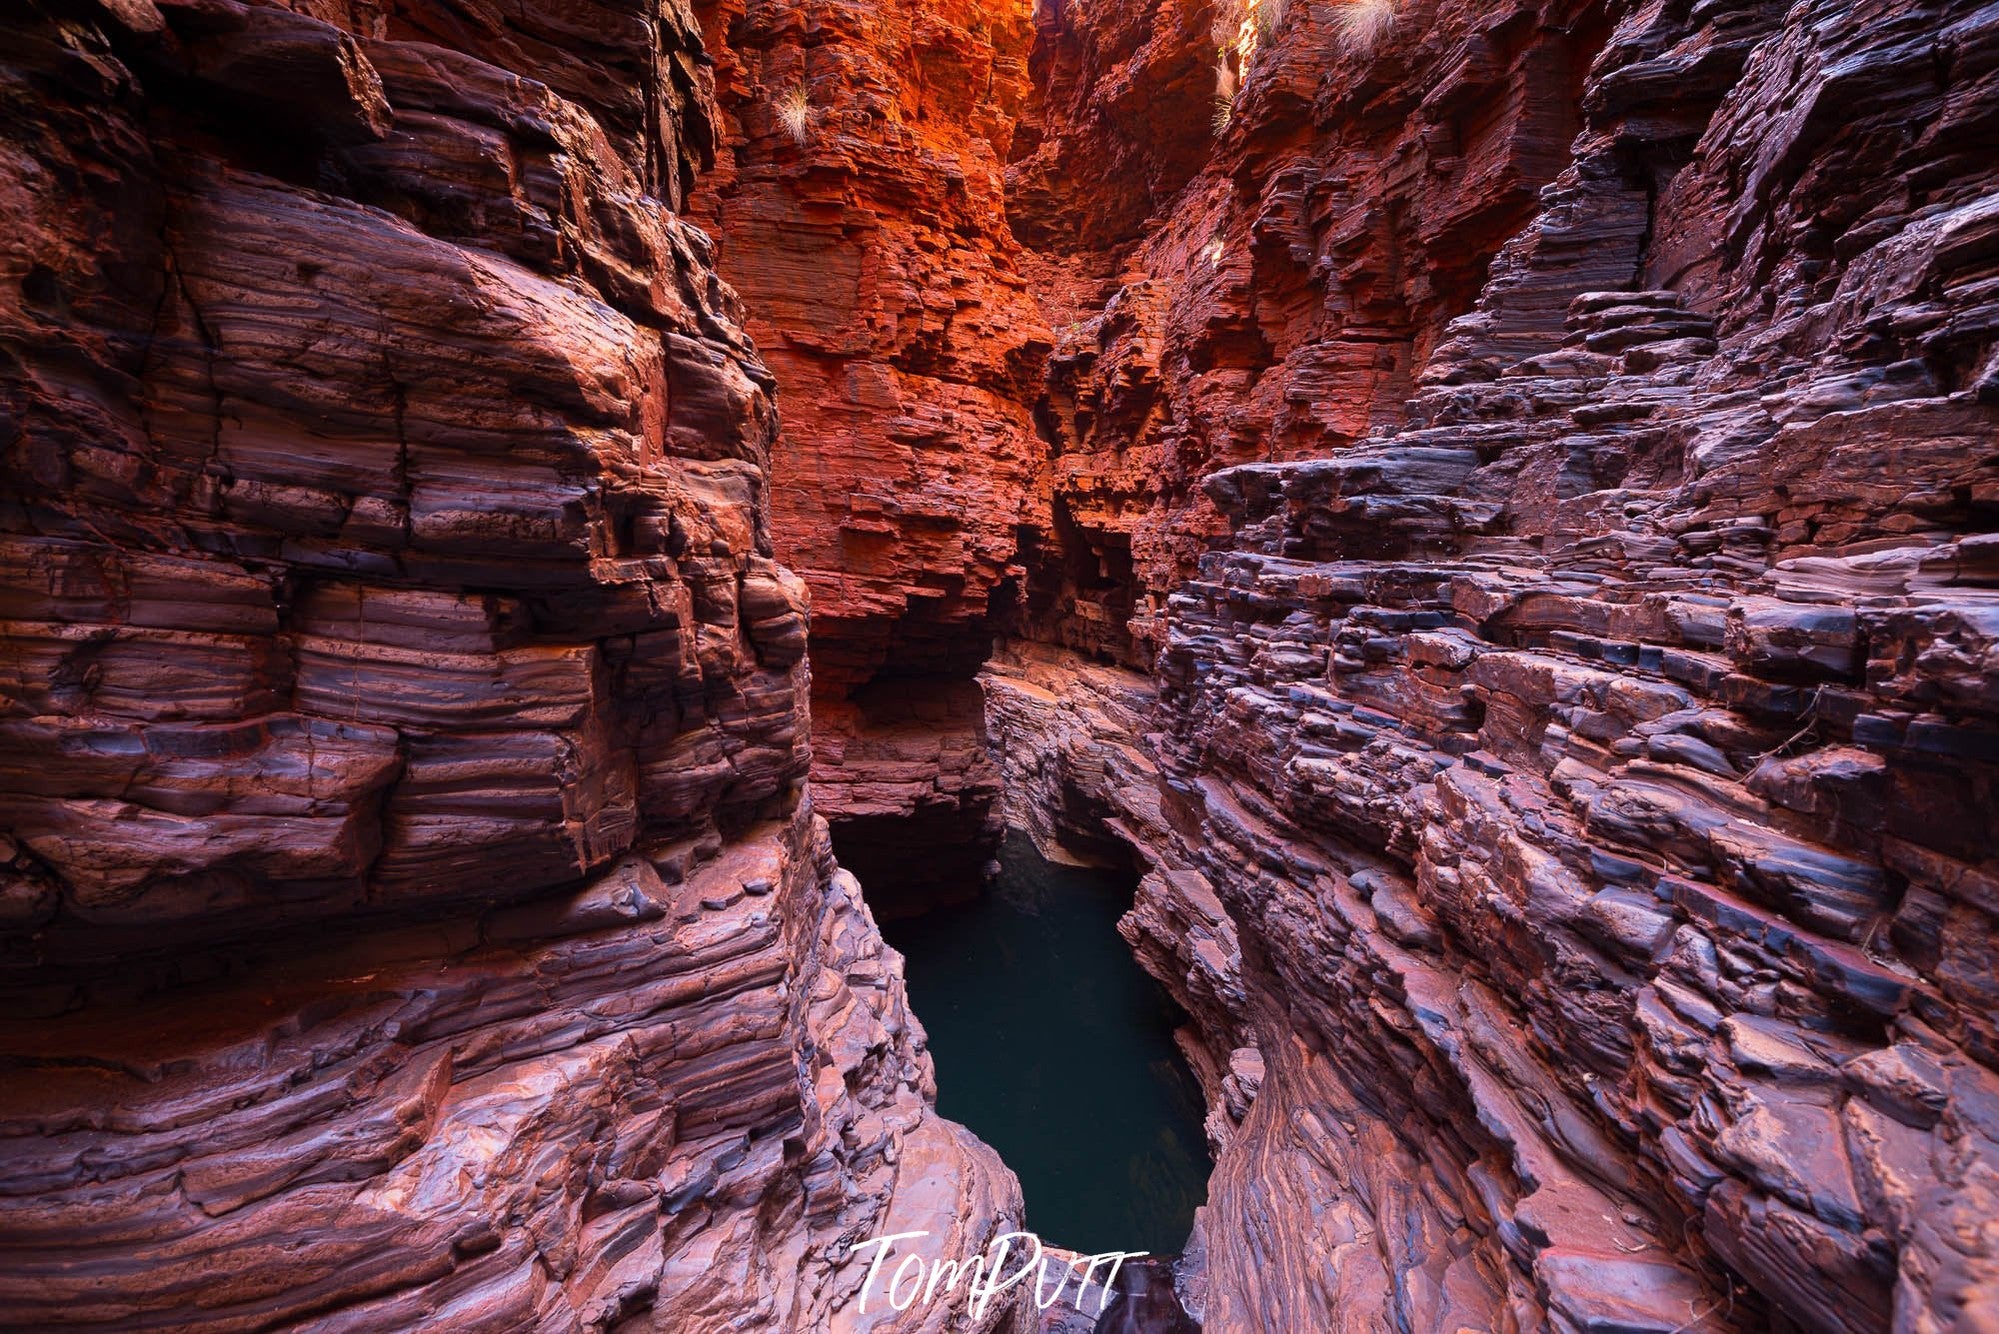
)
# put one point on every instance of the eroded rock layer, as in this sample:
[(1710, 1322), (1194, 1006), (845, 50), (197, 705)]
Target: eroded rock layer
[(859, 210), (1554, 449), (412, 914), (1494, 507)]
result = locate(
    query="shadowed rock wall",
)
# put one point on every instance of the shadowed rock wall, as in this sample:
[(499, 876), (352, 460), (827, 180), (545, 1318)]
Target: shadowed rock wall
[(1503, 531), (1554, 447), (411, 916), (869, 239)]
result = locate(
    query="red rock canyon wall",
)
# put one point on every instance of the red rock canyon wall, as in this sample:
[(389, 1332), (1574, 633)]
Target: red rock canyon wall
[(1553, 445), (413, 917), (1493, 504), (868, 237)]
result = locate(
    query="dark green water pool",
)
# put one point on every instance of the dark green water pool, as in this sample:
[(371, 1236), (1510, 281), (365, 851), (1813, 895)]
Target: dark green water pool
[(1056, 1048)]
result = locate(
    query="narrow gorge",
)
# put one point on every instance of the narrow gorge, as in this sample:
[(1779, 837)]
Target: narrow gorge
[(532, 531)]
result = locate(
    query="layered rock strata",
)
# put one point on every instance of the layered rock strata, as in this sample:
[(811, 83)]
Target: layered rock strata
[(1494, 515), (412, 914), (859, 211), (1278, 301), (914, 793), (1589, 737)]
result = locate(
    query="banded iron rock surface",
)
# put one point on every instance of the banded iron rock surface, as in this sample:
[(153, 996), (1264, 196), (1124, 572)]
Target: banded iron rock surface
[(1554, 450), (1493, 504), (412, 914), (868, 235), (1510, 550)]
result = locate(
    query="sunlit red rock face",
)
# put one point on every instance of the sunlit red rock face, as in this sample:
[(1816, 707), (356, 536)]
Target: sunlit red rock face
[(1554, 448), (869, 240), (412, 915), (1503, 532), (1278, 302)]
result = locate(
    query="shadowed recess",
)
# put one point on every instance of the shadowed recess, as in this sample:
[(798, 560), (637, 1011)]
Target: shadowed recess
[(1055, 1048)]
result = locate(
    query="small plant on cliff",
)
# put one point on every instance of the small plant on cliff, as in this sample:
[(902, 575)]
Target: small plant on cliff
[(1225, 91), (1223, 32), (794, 112), (1362, 25), (1269, 17)]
